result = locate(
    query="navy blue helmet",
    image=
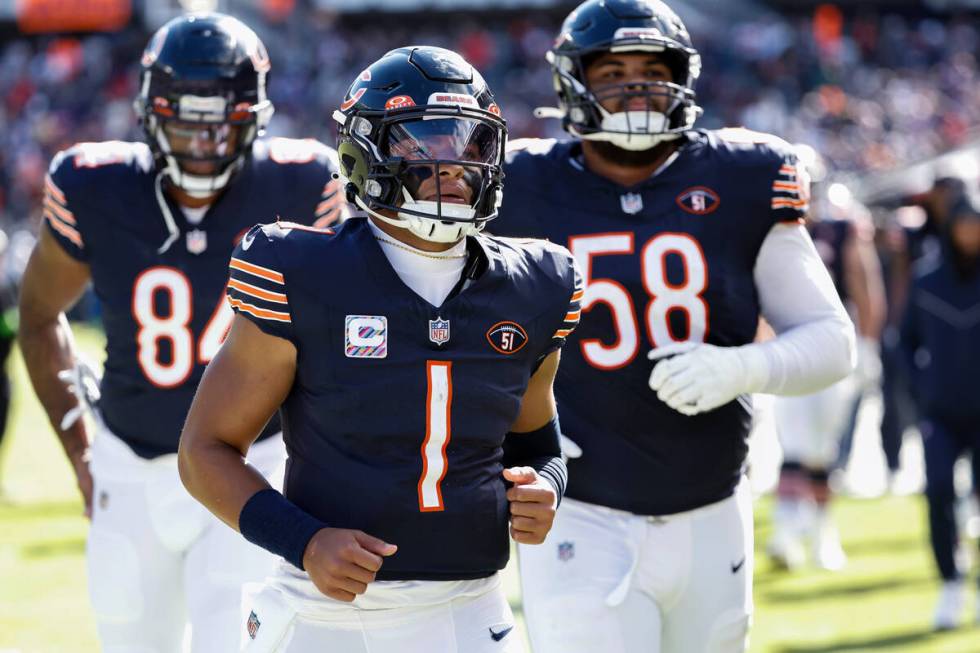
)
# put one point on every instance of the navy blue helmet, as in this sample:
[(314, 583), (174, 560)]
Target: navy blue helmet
[(421, 143), (620, 26), (202, 99)]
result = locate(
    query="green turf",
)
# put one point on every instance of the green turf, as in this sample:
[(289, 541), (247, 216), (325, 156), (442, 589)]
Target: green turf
[(882, 602)]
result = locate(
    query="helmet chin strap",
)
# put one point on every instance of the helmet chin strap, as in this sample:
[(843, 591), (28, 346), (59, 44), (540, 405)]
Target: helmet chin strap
[(198, 186), (429, 229), (168, 218), (631, 130)]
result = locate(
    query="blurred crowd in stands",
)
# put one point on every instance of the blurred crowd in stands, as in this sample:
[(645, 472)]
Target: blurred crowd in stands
[(870, 92)]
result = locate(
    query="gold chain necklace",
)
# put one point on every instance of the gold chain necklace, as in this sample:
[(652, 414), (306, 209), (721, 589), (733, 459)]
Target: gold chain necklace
[(417, 252)]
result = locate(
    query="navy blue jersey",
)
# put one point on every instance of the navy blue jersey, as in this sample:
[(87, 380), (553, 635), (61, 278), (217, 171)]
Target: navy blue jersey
[(398, 412), (164, 312), (670, 259), (830, 237)]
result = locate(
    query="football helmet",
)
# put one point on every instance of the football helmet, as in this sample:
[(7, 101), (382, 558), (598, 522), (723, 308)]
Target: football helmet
[(598, 26), (202, 99), (421, 144)]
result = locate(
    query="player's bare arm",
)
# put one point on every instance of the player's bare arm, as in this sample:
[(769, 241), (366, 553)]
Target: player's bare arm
[(863, 277), (241, 389), (865, 287), (53, 282), (533, 498)]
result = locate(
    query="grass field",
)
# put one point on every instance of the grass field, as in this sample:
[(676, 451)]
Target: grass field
[(882, 601)]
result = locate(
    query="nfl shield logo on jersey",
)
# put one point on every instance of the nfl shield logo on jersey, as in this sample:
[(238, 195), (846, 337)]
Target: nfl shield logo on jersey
[(439, 331), (253, 625), (197, 241), (632, 203), (566, 551)]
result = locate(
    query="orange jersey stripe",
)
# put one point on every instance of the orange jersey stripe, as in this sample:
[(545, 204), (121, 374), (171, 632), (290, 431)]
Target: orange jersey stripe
[(787, 170), (562, 333), (64, 229), (54, 190), (327, 205), (786, 185), (257, 270), (577, 295), (259, 312), (60, 211), (257, 292), (783, 203), (325, 221), (573, 316)]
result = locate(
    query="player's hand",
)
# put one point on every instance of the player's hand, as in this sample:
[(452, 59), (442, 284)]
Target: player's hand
[(868, 368), (83, 475), (341, 562), (533, 501), (698, 377)]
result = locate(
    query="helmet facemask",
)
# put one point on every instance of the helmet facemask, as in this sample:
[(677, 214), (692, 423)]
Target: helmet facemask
[(669, 109), (201, 140), (435, 170)]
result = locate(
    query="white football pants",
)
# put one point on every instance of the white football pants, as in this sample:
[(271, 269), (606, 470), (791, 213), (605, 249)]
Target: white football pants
[(289, 615), (158, 560), (810, 427), (611, 581)]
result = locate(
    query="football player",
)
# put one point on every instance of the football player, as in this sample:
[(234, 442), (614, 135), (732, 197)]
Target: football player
[(152, 226), (416, 395), (811, 427), (685, 237)]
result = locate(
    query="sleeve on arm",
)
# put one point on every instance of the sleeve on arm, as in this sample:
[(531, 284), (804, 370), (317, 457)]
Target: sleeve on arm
[(790, 190), (257, 286), (815, 340), (571, 309), (332, 207), (59, 218)]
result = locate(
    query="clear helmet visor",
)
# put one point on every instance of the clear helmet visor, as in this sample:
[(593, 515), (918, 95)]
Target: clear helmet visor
[(446, 159)]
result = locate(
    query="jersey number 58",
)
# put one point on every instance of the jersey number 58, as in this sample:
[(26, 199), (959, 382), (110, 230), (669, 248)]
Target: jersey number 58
[(664, 297)]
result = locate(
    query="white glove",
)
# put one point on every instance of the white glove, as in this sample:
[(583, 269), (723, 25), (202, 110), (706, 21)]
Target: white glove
[(702, 377), (83, 382), (569, 449), (868, 368)]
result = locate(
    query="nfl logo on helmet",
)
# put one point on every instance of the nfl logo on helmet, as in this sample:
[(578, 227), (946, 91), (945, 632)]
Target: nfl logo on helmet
[(439, 331)]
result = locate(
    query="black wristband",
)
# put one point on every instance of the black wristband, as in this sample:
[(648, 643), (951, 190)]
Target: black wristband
[(540, 450), (273, 522)]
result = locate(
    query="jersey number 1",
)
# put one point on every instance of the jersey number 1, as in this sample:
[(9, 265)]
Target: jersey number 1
[(173, 327), (438, 431), (664, 297)]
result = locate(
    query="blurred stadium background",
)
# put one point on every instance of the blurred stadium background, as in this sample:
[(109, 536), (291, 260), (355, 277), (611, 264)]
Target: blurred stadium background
[(888, 91)]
